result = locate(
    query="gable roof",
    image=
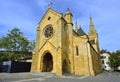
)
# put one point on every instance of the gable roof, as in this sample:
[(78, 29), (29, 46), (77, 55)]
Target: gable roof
[(81, 32), (50, 10)]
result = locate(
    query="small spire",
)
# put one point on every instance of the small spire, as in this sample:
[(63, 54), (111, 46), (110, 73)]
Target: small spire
[(76, 27), (91, 23), (68, 10), (50, 5)]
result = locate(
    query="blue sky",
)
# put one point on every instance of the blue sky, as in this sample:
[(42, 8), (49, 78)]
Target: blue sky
[(25, 14)]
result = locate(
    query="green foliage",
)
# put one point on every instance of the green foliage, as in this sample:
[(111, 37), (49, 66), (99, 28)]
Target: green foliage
[(116, 53), (14, 45), (114, 59)]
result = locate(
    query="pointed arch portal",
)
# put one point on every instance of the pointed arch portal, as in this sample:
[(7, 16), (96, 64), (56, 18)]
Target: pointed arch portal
[(47, 63)]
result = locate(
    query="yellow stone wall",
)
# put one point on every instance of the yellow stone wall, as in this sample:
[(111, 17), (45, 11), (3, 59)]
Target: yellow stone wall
[(62, 47)]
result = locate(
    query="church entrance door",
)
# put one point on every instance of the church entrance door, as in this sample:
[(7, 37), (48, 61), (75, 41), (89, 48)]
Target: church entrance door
[(47, 63)]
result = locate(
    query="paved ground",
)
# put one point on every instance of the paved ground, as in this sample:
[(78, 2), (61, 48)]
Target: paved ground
[(49, 77)]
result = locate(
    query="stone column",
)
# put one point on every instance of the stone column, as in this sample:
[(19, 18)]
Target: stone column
[(86, 60), (59, 63), (90, 61)]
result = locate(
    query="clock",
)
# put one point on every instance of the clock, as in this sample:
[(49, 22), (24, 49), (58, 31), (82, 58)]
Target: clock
[(48, 32)]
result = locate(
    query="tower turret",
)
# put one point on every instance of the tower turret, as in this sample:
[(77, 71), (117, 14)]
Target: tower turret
[(68, 17), (93, 36)]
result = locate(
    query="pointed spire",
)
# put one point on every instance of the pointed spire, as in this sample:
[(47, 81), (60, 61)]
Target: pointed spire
[(68, 10), (76, 27), (92, 29), (91, 23)]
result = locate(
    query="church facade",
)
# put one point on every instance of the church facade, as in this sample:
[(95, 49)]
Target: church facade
[(61, 49)]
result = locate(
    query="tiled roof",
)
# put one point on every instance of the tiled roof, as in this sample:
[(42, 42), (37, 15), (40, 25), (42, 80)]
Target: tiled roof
[(81, 32)]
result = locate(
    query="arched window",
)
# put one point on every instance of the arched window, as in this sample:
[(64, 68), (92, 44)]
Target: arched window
[(77, 52)]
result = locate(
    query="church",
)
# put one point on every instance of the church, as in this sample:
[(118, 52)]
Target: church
[(61, 49)]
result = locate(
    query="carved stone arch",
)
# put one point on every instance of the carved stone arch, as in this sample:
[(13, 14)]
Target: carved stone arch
[(47, 62)]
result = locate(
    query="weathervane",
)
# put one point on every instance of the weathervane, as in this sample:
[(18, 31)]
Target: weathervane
[(50, 5)]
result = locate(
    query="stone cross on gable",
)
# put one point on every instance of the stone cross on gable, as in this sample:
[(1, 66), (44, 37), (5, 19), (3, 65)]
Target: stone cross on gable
[(50, 4)]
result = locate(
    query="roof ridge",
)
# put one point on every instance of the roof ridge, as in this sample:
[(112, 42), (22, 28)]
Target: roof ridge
[(81, 32)]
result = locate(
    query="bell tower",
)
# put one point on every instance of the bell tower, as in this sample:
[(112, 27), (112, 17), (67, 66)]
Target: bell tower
[(93, 36)]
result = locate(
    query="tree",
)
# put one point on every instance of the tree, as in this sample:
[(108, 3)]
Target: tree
[(117, 52), (114, 60), (14, 45)]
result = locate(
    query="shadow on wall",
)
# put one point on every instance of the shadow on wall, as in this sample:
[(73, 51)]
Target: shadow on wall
[(1, 66), (14, 66)]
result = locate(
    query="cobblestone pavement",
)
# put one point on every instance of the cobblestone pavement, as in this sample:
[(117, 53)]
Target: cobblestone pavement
[(50, 77)]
